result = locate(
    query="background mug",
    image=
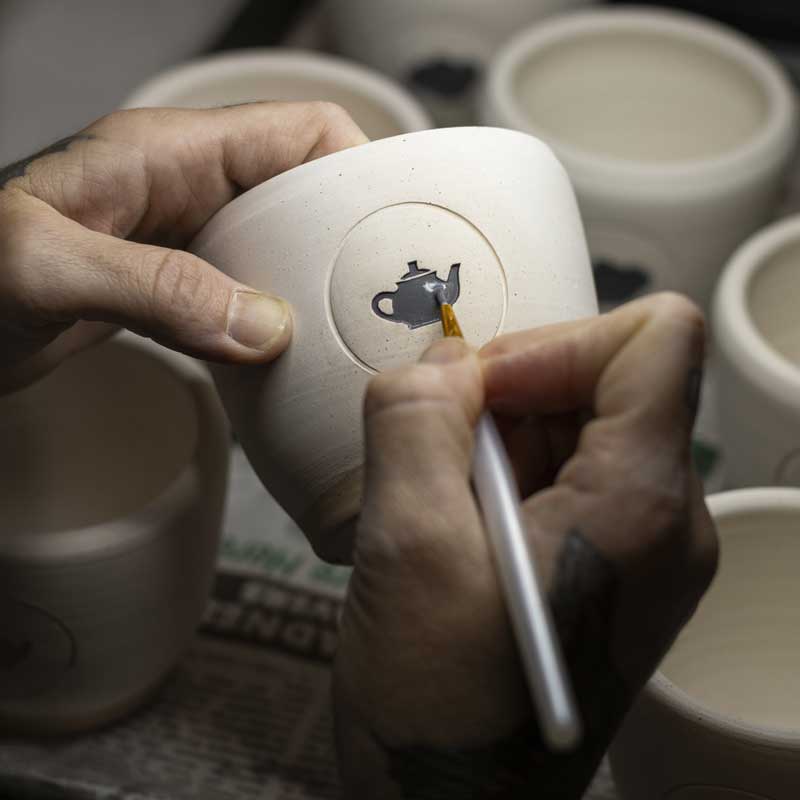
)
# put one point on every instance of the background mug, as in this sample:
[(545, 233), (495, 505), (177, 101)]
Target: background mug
[(486, 213), (756, 329), (377, 104), (675, 131), (439, 50), (720, 720), (110, 512)]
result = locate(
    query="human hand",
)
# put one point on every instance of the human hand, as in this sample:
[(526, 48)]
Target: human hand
[(429, 695), (91, 230)]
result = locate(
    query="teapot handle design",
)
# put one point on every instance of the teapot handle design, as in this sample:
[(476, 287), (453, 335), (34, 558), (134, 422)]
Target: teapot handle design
[(376, 305)]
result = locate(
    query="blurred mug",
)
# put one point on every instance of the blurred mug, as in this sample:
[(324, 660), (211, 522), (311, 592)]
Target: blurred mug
[(756, 325), (377, 104), (720, 720), (437, 49), (114, 478), (675, 132)]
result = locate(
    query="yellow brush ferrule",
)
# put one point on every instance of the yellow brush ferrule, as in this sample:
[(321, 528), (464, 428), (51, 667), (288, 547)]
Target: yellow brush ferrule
[(450, 324)]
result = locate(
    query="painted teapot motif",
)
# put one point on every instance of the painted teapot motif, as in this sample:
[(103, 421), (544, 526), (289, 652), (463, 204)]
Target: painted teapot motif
[(414, 301)]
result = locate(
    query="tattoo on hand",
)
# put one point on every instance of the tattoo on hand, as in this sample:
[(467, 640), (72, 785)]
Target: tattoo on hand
[(18, 168), (584, 602)]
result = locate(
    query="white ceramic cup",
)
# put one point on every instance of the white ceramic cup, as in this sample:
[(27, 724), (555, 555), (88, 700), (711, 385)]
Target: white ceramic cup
[(675, 132), (114, 476), (437, 49), (756, 329), (357, 242), (377, 104), (720, 720)]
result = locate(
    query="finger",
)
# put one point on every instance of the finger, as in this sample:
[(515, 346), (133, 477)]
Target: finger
[(419, 426), (173, 169), (640, 361), (67, 273)]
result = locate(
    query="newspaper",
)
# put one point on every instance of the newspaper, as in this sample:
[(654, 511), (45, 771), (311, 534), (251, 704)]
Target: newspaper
[(246, 714)]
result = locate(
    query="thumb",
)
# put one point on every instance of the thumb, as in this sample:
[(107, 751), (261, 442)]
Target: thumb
[(419, 424), (172, 296)]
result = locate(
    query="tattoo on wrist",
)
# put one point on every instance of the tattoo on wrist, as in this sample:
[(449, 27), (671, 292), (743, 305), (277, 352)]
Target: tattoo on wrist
[(584, 601), (18, 168)]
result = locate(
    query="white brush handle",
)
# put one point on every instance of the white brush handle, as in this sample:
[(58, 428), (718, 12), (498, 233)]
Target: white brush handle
[(496, 488)]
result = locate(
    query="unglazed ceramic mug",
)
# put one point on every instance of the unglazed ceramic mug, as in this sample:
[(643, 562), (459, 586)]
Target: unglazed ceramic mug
[(437, 49), (675, 132), (358, 242), (114, 478), (720, 720), (756, 328), (378, 105)]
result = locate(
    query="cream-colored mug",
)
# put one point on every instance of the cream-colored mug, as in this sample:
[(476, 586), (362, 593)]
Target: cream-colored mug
[(675, 131), (756, 331), (111, 501), (438, 50), (358, 242), (378, 105), (720, 720)]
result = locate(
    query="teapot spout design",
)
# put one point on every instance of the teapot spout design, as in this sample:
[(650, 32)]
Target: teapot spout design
[(452, 287)]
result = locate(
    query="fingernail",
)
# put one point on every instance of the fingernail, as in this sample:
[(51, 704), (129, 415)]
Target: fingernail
[(446, 350), (257, 320)]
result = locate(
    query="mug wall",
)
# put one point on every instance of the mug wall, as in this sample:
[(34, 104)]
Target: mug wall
[(676, 134), (720, 720)]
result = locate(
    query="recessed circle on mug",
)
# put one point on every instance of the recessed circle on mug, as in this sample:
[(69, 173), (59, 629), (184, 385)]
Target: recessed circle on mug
[(36, 649), (388, 271)]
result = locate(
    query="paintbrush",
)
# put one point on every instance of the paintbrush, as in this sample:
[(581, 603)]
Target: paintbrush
[(498, 495)]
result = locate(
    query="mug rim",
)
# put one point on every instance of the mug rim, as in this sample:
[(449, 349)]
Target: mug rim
[(134, 529), (735, 331), (762, 151), (666, 693), (331, 68), (247, 204)]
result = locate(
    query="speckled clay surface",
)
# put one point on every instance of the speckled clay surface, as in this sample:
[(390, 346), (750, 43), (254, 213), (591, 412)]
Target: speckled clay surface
[(676, 132), (720, 720), (109, 522), (330, 236)]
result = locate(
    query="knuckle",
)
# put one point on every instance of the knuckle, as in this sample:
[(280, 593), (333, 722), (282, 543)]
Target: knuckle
[(679, 308), (172, 280), (408, 385), (330, 114)]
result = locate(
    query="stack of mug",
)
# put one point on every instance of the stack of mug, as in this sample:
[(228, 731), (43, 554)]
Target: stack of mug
[(677, 135)]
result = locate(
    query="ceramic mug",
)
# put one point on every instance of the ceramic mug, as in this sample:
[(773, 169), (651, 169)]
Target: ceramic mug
[(115, 470), (358, 242), (720, 720), (756, 330), (378, 105), (439, 50), (675, 132)]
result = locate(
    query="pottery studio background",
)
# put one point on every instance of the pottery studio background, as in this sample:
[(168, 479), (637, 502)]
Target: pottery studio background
[(62, 64)]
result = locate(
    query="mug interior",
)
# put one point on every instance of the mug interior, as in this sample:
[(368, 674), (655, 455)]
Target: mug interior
[(772, 300), (640, 94), (206, 89), (95, 440), (739, 656)]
